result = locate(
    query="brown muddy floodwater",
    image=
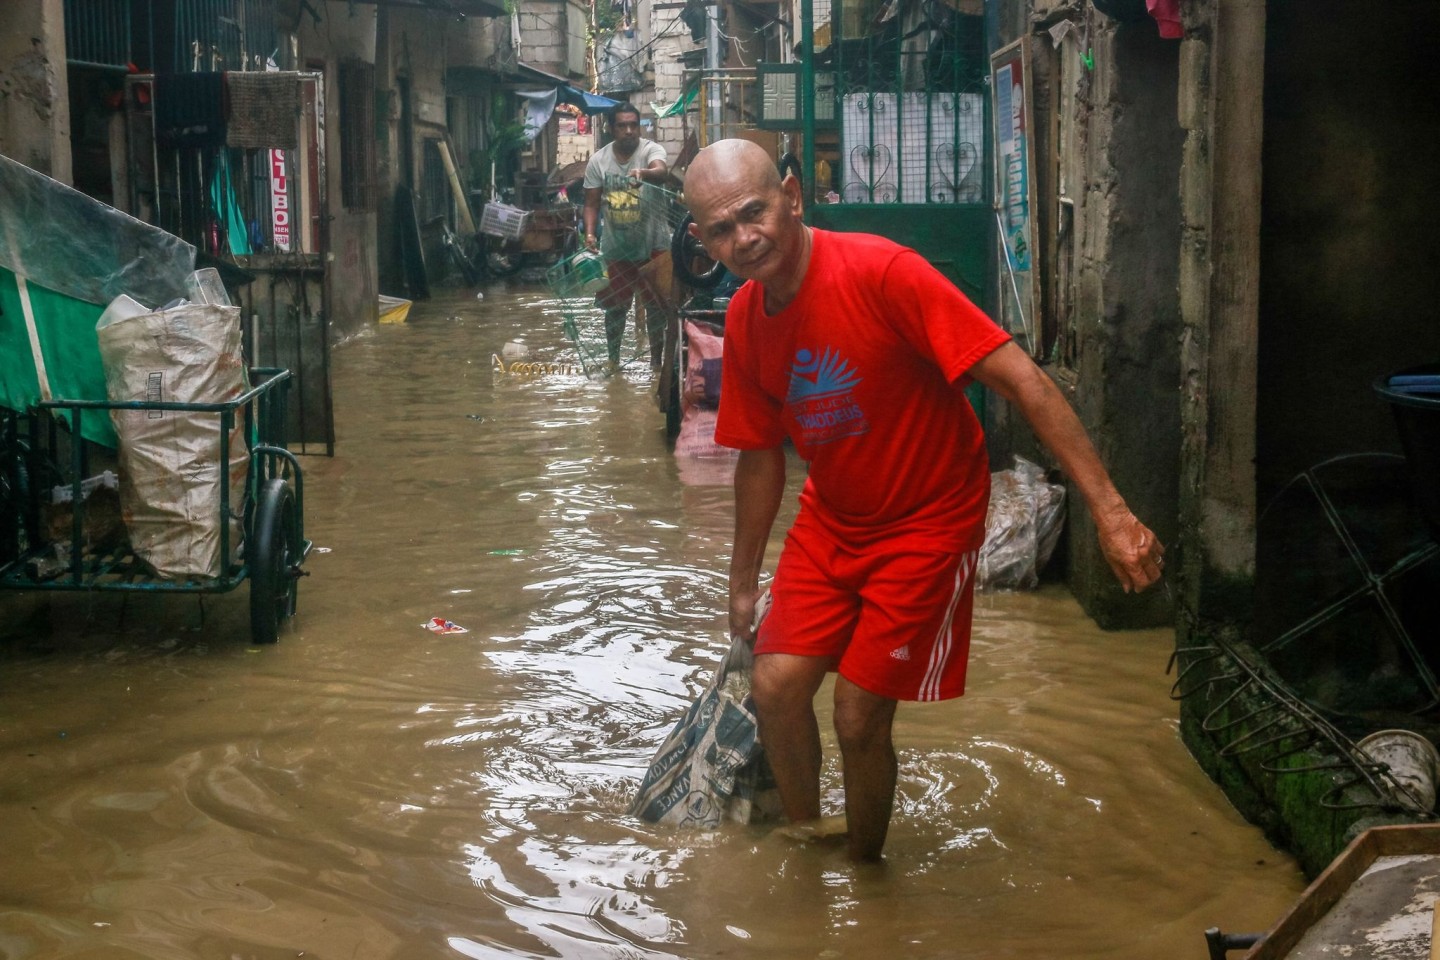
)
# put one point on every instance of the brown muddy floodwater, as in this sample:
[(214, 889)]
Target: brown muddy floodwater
[(367, 789)]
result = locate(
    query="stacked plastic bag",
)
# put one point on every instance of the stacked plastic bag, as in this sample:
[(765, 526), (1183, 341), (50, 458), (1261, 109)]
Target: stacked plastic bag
[(1021, 528)]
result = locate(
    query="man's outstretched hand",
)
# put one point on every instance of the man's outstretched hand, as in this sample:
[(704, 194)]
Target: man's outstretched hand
[(1133, 551)]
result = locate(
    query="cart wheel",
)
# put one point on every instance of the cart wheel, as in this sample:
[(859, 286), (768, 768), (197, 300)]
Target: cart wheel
[(672, 407), (684, 249), (788, 164), (273, 555), (14, 505)]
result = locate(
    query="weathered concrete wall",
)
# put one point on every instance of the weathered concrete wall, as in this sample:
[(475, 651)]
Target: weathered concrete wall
[(1348, 282), (1119, 148), (34, 96), (1222, 79), (1127, 318), (413, 48), (345, 32), (669, 80), (544, 32)]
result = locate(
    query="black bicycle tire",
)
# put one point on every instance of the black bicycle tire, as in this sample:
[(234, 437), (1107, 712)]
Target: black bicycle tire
[(682, 248)]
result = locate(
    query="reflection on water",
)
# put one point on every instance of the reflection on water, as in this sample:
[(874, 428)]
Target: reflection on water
[(369, 789)]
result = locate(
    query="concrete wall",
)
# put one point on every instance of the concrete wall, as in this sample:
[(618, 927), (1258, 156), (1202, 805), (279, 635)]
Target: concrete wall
[(545, 32), (346, 32), (1108, 140), (669, 74), (412, 56), (34, 96), (1126, 307)]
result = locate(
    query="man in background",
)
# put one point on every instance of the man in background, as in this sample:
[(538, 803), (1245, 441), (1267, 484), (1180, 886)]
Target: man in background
[(629, 240)]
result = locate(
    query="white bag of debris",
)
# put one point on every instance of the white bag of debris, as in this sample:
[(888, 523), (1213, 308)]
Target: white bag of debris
[(1021, 528), (171, 476)]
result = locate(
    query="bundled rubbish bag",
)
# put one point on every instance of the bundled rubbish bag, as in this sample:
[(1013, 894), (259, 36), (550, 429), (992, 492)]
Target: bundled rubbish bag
[(711, 767), (1021, 528), (170, 470)]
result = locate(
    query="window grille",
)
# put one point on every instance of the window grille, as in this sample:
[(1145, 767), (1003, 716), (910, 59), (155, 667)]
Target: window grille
[(97, 33), (434, 199), (912, 102), (357, 141)]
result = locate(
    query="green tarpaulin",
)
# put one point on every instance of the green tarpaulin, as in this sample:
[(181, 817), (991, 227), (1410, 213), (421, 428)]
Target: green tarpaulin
[(63, 329), (63, 257)]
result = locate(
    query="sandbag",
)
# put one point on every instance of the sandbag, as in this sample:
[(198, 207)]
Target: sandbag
[(170, 470)]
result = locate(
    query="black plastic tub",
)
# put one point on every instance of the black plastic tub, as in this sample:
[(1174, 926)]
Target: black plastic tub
[(1414, 398)]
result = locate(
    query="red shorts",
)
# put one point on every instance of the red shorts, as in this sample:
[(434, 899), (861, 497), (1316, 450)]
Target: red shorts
[(892, 619)]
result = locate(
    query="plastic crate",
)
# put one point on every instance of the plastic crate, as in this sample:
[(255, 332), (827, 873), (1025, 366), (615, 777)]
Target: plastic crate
[(502, 220)]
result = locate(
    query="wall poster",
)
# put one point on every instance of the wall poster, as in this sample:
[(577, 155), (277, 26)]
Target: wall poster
[(1015, 192)]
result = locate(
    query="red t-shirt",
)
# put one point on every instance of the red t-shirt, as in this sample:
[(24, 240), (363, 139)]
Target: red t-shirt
[(865, 371)]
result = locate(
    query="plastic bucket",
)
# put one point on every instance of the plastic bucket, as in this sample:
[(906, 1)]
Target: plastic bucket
[(588, 271), (1412, 761), (1410, 394)]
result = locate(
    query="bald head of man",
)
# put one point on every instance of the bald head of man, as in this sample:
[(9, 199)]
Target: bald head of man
[(748, 218)]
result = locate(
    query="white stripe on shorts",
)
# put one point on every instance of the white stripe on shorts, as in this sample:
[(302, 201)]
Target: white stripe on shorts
[(941, 649)]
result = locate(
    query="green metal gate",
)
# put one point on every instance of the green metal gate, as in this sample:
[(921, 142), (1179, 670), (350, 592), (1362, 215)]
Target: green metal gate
[(894, 99)]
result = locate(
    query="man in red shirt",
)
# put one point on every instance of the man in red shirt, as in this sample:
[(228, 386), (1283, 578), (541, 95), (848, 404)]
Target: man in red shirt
[(859, 351)]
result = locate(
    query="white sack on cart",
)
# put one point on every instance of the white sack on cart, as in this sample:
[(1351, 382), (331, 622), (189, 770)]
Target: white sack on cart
[(170, 461), (1021, 528)]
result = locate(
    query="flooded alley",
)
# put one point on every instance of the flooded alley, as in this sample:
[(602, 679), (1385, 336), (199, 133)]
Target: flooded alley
[(369, 789)]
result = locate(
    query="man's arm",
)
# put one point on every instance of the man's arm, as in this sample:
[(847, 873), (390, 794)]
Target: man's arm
[(1130, 547), (759, 485), (655, 172), (591, 214)]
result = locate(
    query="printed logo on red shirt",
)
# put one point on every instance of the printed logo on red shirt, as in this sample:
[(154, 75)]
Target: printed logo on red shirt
[(821, 398)]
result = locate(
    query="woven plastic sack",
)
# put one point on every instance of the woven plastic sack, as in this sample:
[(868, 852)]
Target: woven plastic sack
[(711, 767), (170, 470), (1021, 527), (700, 396)]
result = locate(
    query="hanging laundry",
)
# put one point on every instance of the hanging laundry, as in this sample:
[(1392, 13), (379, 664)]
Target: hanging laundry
[(1167, 15)]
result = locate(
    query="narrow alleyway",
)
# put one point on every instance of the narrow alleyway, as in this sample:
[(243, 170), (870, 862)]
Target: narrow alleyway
[(368, 789)]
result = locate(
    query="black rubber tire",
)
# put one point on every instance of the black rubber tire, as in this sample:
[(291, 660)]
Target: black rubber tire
[(273, 555), (789, 163), (684, 248), (671, 398), (14, 506)]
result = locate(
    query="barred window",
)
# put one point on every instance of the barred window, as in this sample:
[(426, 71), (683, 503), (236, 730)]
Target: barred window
[(357, 134)]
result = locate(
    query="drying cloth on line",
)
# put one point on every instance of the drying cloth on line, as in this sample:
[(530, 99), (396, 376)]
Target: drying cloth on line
[(264, 110), (1167, 15)]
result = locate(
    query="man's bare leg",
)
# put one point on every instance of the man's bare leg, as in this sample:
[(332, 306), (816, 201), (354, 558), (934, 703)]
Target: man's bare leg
[(784, 686), (863, 722)]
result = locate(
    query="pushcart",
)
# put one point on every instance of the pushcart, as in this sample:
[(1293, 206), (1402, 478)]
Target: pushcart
[(36, 455), (697, 274)]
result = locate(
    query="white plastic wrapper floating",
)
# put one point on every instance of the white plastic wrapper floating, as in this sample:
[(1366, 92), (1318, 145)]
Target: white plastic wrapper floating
[(711, 767), (170, 470), (1021, 528)]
